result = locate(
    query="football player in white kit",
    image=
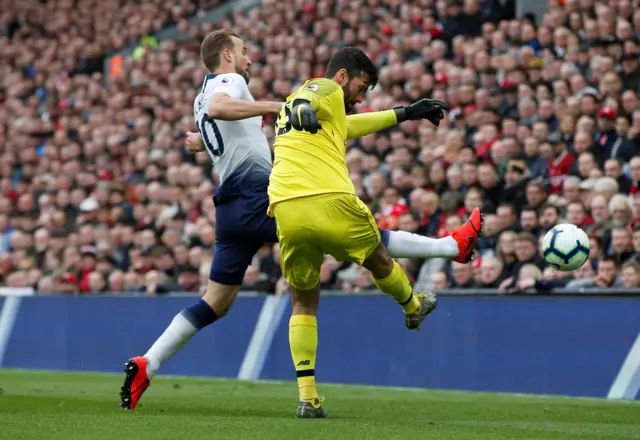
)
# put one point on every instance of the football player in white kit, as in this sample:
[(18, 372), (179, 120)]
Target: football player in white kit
[(230, 124)]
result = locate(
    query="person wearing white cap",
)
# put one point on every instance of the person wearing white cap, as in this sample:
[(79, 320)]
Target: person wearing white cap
[(89, 205), (88, 210)]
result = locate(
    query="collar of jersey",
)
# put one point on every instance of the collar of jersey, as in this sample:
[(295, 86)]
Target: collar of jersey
[(207, 78)]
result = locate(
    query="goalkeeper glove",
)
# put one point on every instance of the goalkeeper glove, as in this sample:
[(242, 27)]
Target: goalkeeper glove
[(429, 109), (303, 117)]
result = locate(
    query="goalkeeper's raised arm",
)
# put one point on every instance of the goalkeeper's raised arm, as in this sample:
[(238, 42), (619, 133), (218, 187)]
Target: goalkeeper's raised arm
[(366, 123)]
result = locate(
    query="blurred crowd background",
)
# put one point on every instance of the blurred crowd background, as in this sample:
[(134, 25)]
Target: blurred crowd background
[(98, 194)]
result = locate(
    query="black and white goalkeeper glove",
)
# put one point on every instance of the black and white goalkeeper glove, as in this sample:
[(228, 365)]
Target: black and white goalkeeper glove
[(429, 109), (303, 117)]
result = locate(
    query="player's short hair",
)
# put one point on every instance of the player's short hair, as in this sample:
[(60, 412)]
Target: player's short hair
[(356, 63), (213, 45)]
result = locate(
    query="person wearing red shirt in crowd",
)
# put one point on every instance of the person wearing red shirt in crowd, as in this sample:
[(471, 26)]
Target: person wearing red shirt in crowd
[(577, 215), (432, 219), (561, 164), (87, 265), (393, 205), (66, 283), (431, 26)]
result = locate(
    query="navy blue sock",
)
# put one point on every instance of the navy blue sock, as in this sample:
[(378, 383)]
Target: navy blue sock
[(200, 314), (385, 236)]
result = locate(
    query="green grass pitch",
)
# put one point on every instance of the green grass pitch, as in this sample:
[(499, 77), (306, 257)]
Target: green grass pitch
[(47, 405)]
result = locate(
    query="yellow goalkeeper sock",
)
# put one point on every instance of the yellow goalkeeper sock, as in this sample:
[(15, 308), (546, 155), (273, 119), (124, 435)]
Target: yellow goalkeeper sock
[(398, 286), (303, 341)]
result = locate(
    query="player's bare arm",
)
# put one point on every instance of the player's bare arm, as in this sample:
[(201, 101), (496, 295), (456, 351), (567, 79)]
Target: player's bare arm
[(193, 142), (226, 108)]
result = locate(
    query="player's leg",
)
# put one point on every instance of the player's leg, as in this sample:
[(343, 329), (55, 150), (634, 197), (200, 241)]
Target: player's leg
[(362, 244), (402, 244), (301, 260), (391, 279), (458, 245), (227, 270), (303, 342), (241, 228), (222, 290)]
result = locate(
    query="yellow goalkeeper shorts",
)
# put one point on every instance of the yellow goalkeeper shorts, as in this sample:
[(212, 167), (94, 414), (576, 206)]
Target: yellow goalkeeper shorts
[(337, 224)]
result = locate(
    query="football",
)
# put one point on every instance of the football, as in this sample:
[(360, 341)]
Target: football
[(565, 247)]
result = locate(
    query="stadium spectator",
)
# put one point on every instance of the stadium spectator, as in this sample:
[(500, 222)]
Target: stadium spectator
[(631, 275), (98, 193), (490, 275), (462, 275), (441, 281)]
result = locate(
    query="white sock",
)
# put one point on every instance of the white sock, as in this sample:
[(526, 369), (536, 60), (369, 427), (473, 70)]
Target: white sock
[(407, 245), (176, 336)]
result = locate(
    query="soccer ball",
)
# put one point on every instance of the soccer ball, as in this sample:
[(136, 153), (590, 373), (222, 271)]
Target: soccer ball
[(565, 247)]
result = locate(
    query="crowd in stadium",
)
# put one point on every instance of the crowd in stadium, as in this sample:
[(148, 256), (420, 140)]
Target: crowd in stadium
[(98, 193)]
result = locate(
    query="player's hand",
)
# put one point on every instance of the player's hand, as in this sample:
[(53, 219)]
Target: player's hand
[(194, 142), (429, 109), (303, 117)]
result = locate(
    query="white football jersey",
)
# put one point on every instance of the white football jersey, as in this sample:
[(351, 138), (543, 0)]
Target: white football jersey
[(235, 147)]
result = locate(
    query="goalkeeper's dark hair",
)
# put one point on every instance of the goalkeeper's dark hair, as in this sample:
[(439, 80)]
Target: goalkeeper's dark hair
[(355, 62)]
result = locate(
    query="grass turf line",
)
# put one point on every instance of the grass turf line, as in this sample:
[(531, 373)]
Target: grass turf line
[(49, 405)]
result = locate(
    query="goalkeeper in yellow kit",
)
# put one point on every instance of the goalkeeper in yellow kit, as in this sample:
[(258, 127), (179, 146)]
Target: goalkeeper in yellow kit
[(316, 208)]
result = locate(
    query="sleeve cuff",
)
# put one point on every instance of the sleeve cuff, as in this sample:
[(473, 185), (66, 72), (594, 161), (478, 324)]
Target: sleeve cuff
[(401, 114)]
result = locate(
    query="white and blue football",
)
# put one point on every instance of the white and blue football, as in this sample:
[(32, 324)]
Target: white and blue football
[(565, 247)]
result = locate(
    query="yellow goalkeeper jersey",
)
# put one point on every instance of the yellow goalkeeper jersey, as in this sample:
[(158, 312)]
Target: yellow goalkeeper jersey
[(308, 164)]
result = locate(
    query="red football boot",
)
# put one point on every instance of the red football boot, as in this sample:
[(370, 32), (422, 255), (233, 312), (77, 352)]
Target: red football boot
[(466, 236), (136, 382)]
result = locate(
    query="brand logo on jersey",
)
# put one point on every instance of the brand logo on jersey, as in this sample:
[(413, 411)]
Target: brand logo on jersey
[(313, 87), (226, 80)]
